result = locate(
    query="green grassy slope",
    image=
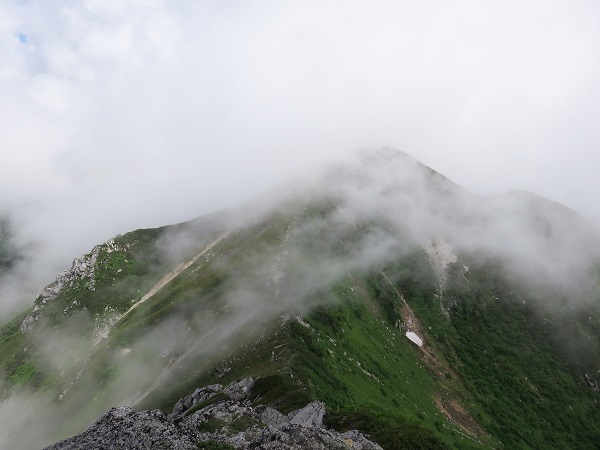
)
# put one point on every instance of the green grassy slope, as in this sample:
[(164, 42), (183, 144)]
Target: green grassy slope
[(509, 384), (504, 363), (125, 268), (502, 339)]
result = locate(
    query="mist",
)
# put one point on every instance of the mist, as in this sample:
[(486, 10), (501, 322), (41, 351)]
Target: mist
[(122, 115), (352, 217)]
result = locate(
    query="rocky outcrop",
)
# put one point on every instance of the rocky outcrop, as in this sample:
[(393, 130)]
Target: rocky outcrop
[(196, 422), (309, 416), (121, 428), (237, 390), (441, 257), (81, 271)]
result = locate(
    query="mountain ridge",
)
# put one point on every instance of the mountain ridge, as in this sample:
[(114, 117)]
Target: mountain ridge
[(316, 296)]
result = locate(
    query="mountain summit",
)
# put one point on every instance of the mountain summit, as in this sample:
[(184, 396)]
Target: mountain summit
[(419, 314)]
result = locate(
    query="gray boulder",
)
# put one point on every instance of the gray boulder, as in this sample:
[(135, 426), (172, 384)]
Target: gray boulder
[(309, 416)]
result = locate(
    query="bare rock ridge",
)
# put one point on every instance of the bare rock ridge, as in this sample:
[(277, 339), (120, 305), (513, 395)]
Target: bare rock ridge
[(215, 415)]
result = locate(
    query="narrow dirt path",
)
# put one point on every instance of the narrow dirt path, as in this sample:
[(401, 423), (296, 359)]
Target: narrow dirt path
[(175, 272)]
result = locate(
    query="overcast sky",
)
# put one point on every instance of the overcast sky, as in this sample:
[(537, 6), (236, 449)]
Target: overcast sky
[(120, 114)]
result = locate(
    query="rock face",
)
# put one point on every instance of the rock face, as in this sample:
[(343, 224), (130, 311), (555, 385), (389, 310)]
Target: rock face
[(227, 420), (121, 428), (81, 271)]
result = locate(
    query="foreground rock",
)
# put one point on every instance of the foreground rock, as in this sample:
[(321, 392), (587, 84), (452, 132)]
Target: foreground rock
[(211, 416)]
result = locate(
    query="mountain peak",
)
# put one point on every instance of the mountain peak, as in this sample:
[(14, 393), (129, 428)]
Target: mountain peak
[(316, 297), (383, 154)]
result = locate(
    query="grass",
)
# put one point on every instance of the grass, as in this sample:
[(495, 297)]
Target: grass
[(502, 349), (210, 425), (242, 423), (280, 392), (497, 353), (351, 358), (391, 434)]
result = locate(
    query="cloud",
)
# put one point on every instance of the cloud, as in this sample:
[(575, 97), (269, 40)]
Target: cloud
[(120, 115)]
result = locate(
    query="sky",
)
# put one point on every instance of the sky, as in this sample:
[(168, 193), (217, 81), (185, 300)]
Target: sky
[(121, 114)]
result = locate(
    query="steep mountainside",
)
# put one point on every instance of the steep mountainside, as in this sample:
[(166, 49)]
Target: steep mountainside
[(420, 314)]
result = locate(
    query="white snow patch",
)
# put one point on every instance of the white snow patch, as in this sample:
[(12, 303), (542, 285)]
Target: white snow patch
[(414, 338)]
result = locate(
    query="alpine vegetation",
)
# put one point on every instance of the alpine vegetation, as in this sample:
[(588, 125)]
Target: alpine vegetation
[(404, 310)]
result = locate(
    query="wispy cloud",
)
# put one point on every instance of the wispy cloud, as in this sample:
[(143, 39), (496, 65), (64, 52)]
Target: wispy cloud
[(120, 115)]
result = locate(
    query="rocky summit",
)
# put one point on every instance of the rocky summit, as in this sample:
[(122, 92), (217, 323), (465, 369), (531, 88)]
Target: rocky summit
[(215, 417)]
